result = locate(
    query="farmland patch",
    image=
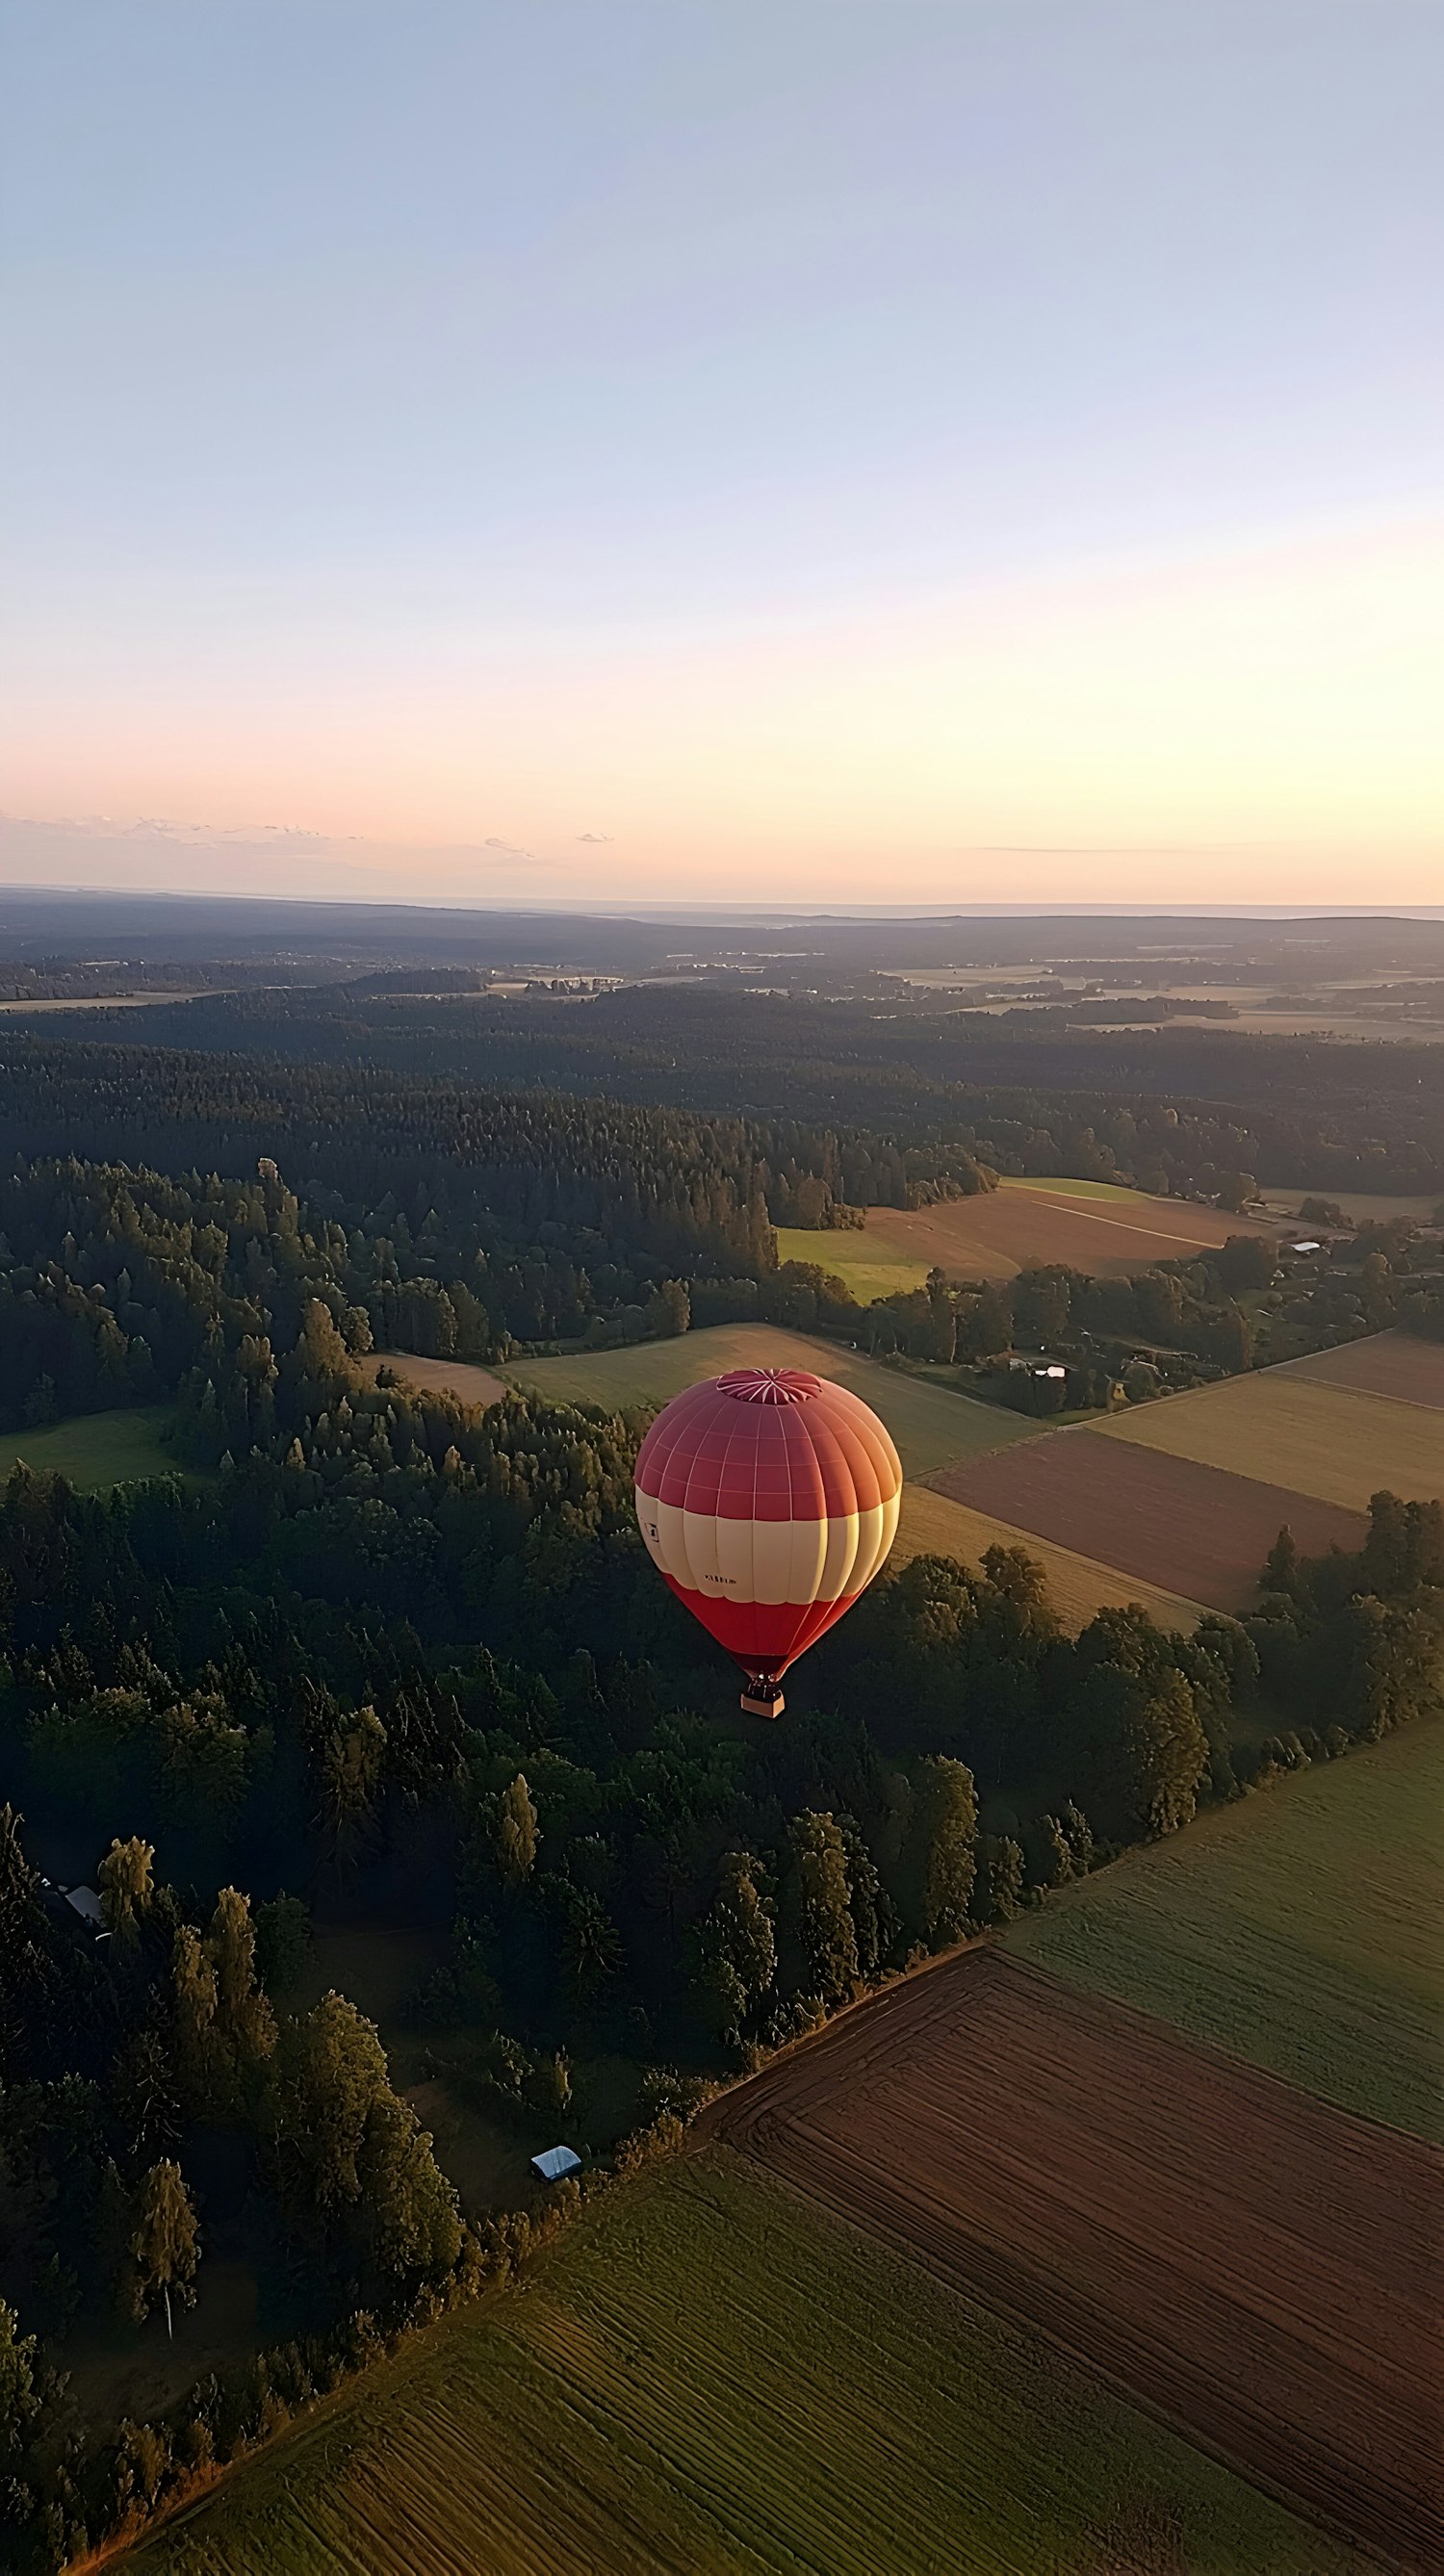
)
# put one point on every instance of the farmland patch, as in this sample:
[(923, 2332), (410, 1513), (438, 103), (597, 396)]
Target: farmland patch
[(1276, 1425), (1161, 1519), (1209, 2238), (931, 1424), (1024, 1224), (931, 1525), (1374, 1206), (1302, 1929), (711, 2374), (1393, 1364)]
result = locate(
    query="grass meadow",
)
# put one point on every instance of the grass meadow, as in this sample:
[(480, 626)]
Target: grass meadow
[(932, 1425), (709, 2374), (95, 1449), (1302, 1928), (869, 1268)]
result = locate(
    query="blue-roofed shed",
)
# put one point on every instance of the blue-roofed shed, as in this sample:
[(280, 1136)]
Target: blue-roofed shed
[(554, 2162)]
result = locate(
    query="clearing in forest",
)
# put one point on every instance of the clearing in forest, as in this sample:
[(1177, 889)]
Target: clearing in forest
[(464, 1379), (96, 1449), (1290, 1429), (1156, 1518), (930, 1424), (1301, 1928), (1259, 2268), (710, 2373), (1078, 1585), (869, 1267), (1022, 1225)]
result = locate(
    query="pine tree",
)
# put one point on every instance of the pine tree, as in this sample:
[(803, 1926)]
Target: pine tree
[(193, 1988), (1005, 1878), (1079, 1835), (1281, 1566), (734, 1947), (126, 1883), (948, 1824), (243, 2018), (823, 1896), (874, 1920), (351, 1764), (1052, 1854), (516, 1833), (27, 1974)]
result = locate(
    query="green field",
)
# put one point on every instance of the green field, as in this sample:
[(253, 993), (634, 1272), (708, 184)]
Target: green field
[(95, 1448), (709, 2375), (932, 1426), (1302, 1928), (869, 1267)]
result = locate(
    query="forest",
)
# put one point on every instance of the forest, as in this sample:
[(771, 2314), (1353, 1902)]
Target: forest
[(1180, 1110)]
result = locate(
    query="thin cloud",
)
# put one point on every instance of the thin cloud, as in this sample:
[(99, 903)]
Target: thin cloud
[(595, 837), (509, 850)]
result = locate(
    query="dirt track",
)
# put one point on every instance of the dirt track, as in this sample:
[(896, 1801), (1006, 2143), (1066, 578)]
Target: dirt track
[(1257, 2268), (1167, 1521)]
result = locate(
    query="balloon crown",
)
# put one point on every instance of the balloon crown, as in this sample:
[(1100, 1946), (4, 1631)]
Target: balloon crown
[(770, 1386)]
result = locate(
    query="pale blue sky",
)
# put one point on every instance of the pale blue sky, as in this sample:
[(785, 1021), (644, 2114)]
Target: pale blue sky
[(388, 381)]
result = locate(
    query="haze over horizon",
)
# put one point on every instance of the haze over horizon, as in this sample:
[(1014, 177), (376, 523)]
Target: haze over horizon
[(960, 455)]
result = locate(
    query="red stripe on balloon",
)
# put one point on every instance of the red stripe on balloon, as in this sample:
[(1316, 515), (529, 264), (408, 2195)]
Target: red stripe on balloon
[(812, 1458), (763, 1636)]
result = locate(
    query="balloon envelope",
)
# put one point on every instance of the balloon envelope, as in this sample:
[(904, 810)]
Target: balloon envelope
[(768, 1498)]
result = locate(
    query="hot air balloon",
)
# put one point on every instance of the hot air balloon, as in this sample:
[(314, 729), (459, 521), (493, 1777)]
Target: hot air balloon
[(768, 1498)]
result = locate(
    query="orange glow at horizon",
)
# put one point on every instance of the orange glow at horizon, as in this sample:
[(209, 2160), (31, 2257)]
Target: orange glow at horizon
[(1260, 725)]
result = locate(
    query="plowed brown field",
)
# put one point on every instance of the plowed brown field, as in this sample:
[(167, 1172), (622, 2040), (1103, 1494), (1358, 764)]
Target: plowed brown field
[(1259, 2269), (1170, 1522)]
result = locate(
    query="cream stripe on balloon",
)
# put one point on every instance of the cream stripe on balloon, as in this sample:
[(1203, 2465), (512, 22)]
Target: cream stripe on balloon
[(768, 1561)]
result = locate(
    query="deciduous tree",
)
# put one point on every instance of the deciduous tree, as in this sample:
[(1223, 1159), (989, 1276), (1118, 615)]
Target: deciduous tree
[(165, 2247)]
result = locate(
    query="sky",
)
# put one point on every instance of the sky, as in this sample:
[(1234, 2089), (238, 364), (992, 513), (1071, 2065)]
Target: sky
[(831, 450)]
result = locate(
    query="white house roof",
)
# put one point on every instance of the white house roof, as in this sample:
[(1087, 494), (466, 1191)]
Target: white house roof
[(553, 2162), (86, 1902)]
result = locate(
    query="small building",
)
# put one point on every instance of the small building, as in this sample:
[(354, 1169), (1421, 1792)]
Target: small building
[(555, 2162), (76, 1910), (1309, 1246)]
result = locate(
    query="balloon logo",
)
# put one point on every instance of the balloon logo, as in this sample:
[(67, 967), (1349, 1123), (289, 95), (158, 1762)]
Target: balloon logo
[(768, 1499)]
